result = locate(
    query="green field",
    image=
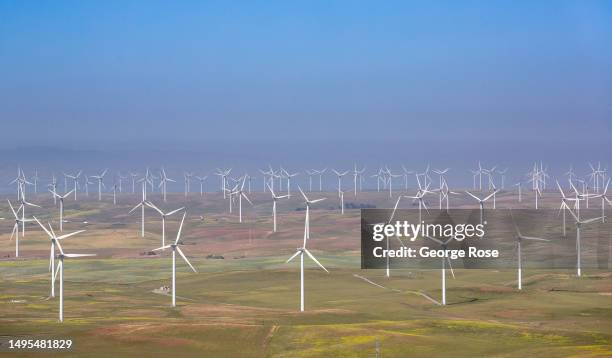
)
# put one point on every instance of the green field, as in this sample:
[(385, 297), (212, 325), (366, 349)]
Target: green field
[(247, 305)]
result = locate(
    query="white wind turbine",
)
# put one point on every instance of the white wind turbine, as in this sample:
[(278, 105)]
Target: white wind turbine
[(120, 181), (301, 250), (564, 205), (308, 203), (115, 194), (60, 269), (164, 183), (503, 176), (604, 199), (53, 238), (339, 175), (310, 174), (388, 271), (100, 179), (18, 180), (443, 245), (420, 197), (35, 179), (18, 221), (75, 179), (289, 176), (86, 183), (188, 177), (61, 208), (445, 194), (520, 194), (25, 204), (163, 217), (223, 176), (320, 173), (405, 174), (241, 194), (142, 204), (133, 176), (390, 177), (53, 187), (201, 180), (519, 239), (175, 248), (441, 173), (481, 202), (356, 174), (579, 224), (275, 198), (267, 178)]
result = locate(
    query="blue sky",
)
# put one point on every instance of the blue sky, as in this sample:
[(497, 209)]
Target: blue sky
[(100, 70)]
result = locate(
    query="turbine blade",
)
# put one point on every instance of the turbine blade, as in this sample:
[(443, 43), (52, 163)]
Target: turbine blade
[(292, 257), (68, 235), (450, 266), (178, 234), (315, 260), (185, 258), (175, 211)]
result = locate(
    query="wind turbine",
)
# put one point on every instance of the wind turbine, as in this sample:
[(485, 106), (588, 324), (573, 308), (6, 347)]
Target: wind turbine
[(35, 181), (604, 199), (53, 238), (520, 196), (308, 203), (579, 224), (61, 200), (201, 180), (188, 177), (320, 173), (60, 269), (223, 176), (133, 176), (289, 176), (25, 204), (356, 174), (441, 173), (390, 177), (163, 217), (100, 179), (519, 238), (301, 250), (15, 231), (275, 198), (75, 179), (503, 176), (164, 182), (142, 204), (420, 196), (241, 194), (339, 175), (405, 174), (175, 248), (115, 194), (120, 180), (388, 271), (443, 245), (481, 202), (564, 205), (53, 187)]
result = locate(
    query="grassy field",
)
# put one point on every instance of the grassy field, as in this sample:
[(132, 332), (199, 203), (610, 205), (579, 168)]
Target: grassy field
[(247, 305)]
